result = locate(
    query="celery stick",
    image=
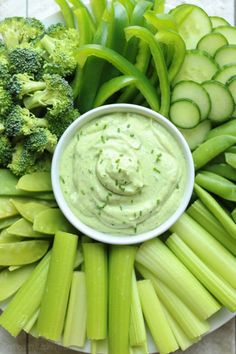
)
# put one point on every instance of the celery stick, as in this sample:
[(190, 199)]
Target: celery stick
[(156, 320), (190, 324), (30, 324), (55, 298), (27, 300), (95, 262), (214, 283), (181, 338), (157, 258), (75, 324), (207, 248), (137, 327), (121, 260), (208, 221), (216, 210), (139, 350)]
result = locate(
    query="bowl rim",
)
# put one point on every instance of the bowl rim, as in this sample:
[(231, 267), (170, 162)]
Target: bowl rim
[(107, 237)]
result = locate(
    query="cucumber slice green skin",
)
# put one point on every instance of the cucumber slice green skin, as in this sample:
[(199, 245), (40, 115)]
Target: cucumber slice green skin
[(226, 55), (222, 102), (211, 42), (231, 84), (218, 21), (228, 31), (198, 66), (196, 135), (194, 25), (195, 92), (225, 74), (185, 113)]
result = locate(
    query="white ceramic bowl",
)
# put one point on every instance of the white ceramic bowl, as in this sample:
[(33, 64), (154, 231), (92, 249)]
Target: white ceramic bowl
[(105, 237)]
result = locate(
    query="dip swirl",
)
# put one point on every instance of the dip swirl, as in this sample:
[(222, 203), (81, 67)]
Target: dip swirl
[(123, 173)]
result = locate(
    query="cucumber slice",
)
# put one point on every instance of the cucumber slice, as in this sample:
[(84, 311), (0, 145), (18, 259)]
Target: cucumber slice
[(218, 21), (185, 113), (231, 84), (228, 32), (225, 74), (196, 135), (198, 66), (222, 102), (193, 26), (195, 92), (226, 55), (211, 42)]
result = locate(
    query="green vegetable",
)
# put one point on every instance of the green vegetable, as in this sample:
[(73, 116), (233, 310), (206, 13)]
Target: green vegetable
[(23, 228), (121, 259), (206, 247), (24, 252), (212, 148), (228, 128), (22, 84), (66, 12), (222, 169), (29, 210), (230, 158), (76, 318), (158, 259), (216, 284), (35, 182), (27, 60), (155, 318), (6, 151), (49, 221), (27, 300), (124, 66), (7, 208), (4, 223), (216, 210), (96, 273), (55, 298)]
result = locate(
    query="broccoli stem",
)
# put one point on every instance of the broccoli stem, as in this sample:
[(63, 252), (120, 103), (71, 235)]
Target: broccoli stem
[(33, 86), (48, 43), (38, 99)]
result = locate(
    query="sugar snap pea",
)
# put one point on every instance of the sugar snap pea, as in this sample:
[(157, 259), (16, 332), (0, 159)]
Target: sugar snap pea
[(228, 128), (24, 228), (8, 221), (49, 221), (35, 182), (222, 169), (230, 158), (24, 252), (217, 184), (212, 148), (29, 210)]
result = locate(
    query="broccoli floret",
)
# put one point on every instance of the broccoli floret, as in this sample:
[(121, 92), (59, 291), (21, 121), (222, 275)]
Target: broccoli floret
[(60, 31), (57, 96), (20, 30), (57, 124), (22, 160), (5, 151), (26, 60), (42, 163), (21, 122), (6, 102), (4, 74), (60, 58), (23, 84), (40, 140)]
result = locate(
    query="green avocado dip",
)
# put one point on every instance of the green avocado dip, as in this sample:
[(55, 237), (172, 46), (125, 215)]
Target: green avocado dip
[(123, 173)]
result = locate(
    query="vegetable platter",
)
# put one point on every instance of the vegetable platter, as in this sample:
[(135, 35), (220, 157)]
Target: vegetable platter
[(86, 295)]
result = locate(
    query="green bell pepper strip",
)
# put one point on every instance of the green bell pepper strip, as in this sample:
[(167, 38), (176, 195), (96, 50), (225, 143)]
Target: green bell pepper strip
[(98, 8), (67, 13), (159, 61), (86, 28), (212, 148), (128, 4), (136, 19), (223, 169), (123, 65), (142, 61), (93, 70), (173, 39), (112, 86), (216, 184), (117, 41), (217, 210), (159, 6), (160, 21)]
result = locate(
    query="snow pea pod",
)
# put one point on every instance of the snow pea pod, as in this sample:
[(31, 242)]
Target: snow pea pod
[(123, 65), (29, 210), (112, 86), (228, 128), (50, 220), (173, 39), (66, 12), (223, 169), (230, 158), (216, 209), (23, 228), (159, 61), (212, 148), (216, 184), (23, 252), (35, 182)]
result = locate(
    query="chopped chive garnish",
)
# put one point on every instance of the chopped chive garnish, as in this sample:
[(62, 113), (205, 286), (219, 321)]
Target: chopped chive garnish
[(135, 229), (158, 157), (121, 207), (119, 171), (92, 189), (83, 192), (128, 126), (101, 206), (105, 126), (89, 171), (118, 160), (103, 139), (152, 151), (140, 213), (156, 170), (118, 130), (131, 201), (62, 180), (158, 201), (110, 194), (131, 135)]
